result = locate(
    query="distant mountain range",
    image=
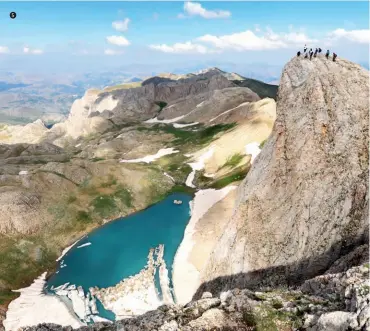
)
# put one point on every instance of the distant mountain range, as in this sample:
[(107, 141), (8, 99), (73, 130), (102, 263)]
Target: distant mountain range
[(27, 97)]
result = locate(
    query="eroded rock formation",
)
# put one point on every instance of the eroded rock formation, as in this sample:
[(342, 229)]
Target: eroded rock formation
[(304, 203)]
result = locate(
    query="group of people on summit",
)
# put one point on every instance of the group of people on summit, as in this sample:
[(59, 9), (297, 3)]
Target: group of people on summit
[(310, 53)]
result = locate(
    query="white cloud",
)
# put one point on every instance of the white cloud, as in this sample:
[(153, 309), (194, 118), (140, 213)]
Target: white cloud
[(250, 41), (178, 48), (112, 52), (121, 26), (118, 40), (358, 36), (28, 50), (243, 41), (4, 50), (196, 9)]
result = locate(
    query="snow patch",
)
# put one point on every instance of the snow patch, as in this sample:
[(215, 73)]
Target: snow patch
[(34, 307), (156, 120), (199, 165), (84, 245), (228, 111), (185, 275), (252, 149), (151, 158), (177, 126)]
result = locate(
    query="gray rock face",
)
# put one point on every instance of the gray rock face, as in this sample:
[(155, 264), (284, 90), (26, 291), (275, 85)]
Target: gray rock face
[(304, 203), (245, 310)]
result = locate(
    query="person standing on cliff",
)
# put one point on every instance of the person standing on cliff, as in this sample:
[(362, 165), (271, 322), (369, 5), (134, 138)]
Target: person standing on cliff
[(311, 53), (304, 48), (316, 51), (334, 56), (299, 53), (327, 54)]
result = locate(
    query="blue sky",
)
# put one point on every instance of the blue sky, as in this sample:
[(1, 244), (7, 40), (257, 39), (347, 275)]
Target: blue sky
[(72, 35)]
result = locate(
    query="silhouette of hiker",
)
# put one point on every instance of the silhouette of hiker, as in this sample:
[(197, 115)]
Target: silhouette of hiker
[(305, 48), (316, 51), (327, 54), (311, 53), (320, 50), (299, 53), (334, 56)]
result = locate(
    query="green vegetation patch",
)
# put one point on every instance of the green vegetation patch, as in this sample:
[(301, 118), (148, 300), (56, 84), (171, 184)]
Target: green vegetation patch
[(83, 216), (237, 175), (7, 295), (175, 165), (21, 261), (104, 205), (265, 318), (262, 143), (187, 136), (161, 105), (97, 159), (123, 195), (233, 160)]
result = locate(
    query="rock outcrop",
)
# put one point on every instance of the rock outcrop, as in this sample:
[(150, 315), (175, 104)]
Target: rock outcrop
[(326, 303), (304, 203), (31, 133)]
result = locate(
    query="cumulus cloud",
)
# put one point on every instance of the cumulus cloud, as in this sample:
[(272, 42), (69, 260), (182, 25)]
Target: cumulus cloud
[(240, 41), (118, 40), (357, 36), (28, 50), (121, 26), (112, 52), (4, 50), (250, 41), (196, 9), (178, 48)]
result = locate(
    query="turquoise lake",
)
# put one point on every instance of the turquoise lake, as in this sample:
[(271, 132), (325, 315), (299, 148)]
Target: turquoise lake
[(119, 249)]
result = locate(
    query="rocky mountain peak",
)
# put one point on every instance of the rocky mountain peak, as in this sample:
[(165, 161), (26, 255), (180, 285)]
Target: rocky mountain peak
[(304, 203)]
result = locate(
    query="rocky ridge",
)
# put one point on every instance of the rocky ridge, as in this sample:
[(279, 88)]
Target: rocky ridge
[(330, 302), (304, 203)]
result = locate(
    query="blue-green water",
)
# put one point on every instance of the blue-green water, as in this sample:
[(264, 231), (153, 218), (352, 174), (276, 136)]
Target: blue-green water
[(120, 248)]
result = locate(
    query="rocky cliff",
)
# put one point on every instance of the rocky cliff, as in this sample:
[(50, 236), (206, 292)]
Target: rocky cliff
[(304, 203), (331, 302)]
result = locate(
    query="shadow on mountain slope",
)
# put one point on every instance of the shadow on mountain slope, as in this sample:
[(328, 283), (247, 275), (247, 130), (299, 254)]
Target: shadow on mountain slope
[(293, 274)]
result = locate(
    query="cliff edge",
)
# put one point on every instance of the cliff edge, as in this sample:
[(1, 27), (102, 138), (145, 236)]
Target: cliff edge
[(304, 203)]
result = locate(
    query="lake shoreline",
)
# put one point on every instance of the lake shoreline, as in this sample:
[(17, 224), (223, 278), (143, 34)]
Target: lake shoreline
[(178, 189), (183, 270), (48, 274)]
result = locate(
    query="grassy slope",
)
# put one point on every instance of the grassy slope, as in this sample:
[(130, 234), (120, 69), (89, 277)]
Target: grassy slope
[(84, 208)]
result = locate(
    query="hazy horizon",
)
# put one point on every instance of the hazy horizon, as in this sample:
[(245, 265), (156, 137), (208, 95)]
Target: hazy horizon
[(70, 38)]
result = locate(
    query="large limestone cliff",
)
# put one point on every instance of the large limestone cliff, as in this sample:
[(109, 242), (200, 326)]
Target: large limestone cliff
[(304, 203)]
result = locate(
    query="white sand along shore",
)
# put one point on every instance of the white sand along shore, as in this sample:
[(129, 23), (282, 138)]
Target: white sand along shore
[(34, 307), (185, 276)]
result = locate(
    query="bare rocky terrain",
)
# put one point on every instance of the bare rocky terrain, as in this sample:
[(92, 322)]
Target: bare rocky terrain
[(304, 203), (292, 251), (58, 184)]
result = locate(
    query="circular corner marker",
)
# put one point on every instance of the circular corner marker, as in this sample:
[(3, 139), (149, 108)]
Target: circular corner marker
[(13, 15)]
